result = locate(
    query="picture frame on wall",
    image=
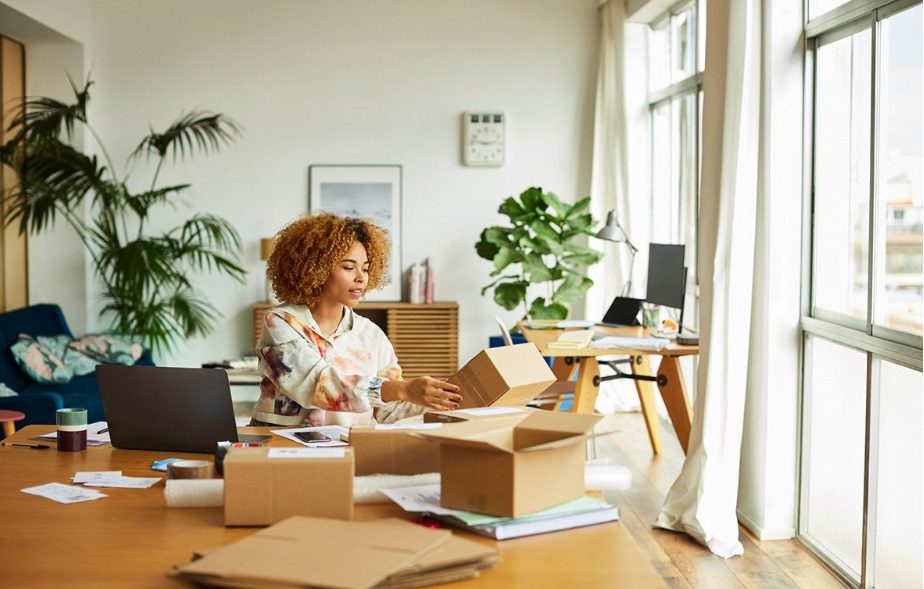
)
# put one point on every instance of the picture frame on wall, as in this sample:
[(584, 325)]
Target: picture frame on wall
[(370, 192)]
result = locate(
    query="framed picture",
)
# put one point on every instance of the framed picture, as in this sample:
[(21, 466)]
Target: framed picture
[(371, 192)]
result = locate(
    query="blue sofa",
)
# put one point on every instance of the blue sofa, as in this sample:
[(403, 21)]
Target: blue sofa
[(39, 401)]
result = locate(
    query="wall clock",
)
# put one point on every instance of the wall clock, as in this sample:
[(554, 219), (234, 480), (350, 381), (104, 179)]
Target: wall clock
[(483, 138)]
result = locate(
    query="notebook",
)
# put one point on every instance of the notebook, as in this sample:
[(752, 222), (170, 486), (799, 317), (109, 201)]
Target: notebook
[(168, 409)]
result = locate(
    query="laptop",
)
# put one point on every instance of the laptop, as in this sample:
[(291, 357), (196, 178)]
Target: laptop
[(623, 311), (168, 409)]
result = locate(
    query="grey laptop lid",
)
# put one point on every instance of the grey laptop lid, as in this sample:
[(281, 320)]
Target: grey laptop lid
[(169, 409)]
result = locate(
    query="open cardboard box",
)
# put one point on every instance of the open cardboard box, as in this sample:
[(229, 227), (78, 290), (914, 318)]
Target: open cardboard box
[(390, 449), (504, 376), (510, 466), (267, 485)]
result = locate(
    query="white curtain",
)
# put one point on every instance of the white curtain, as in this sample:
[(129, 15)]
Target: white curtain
[(620, 144), (703, 500)]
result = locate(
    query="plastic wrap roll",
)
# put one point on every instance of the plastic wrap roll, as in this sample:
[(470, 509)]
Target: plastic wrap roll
[(195, 492), (368, 489), (599, 475)]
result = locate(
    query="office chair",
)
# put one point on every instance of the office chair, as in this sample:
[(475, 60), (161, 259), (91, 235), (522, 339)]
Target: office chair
[(505, 333)]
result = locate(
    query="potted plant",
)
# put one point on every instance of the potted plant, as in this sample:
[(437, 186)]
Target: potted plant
[(145, 276), (540, 246)]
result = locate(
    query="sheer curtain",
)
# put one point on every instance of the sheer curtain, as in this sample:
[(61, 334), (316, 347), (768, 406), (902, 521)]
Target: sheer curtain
[(620, 145), (702, 502)]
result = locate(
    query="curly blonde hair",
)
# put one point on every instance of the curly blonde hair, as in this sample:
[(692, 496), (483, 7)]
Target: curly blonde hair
[(307, 249)]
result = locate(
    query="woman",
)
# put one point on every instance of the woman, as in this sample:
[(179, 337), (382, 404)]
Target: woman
[(320, 361)]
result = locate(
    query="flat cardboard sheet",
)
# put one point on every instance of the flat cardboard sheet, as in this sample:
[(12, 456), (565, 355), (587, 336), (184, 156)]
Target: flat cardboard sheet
[(317, 552)]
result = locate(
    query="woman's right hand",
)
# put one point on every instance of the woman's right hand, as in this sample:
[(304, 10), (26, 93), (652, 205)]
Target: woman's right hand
[(432, 393)]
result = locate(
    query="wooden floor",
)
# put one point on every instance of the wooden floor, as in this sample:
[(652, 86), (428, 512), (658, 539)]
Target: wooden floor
[(680, 560)]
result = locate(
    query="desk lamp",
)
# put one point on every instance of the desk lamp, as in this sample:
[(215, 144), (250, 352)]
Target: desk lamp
[(613, 231)]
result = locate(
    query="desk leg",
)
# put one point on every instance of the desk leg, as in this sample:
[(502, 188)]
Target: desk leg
[(674, 393), (563, 369), (642, 365), (585, 392)]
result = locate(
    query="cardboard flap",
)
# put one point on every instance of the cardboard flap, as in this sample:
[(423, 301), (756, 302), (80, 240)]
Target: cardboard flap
[(563, 442), (559, 421), (489, 434), (544, 427)]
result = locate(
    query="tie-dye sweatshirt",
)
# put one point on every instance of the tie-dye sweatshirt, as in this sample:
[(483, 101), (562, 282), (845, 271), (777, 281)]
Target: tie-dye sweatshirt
[(341, 374)]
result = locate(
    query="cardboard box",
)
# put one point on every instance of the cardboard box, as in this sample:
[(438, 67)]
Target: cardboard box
[(512, 466), (504, 376), (390, 449), (267, 485)]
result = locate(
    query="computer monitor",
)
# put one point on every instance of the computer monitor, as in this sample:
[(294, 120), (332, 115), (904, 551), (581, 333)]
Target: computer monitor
[(667, 276)]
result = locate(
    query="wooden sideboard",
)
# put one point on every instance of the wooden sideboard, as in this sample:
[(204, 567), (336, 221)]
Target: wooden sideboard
[(425, 337)]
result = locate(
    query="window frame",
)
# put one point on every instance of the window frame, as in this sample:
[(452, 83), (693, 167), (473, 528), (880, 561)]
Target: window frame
[(878, 342), (691, 86)]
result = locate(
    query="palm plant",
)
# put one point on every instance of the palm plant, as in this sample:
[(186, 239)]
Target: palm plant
[(145, 278), (540, 246)]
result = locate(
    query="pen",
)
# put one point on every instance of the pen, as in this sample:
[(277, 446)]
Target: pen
[(33, 446)]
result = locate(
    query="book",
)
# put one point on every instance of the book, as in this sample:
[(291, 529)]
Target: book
[(529, 526), (583, 511), (573, 340)]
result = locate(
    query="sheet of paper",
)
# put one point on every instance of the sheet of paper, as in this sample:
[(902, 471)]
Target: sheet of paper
[(64, 493), (401, 426), (571, 323), (638, 343), (95, 434), (97, 476), (334, 432), (305, 453), (126, 483), (491, 410), (421, 498)]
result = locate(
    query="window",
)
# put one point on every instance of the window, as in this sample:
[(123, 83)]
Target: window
[(861, 401), (676, 44)]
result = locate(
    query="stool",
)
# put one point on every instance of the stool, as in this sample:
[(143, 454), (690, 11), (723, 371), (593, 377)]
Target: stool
[(7, 418)]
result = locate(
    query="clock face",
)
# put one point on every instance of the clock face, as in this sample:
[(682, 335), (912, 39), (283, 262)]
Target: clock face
[(483, 139)]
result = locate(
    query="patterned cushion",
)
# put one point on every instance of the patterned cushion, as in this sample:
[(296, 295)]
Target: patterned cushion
[(106, 349), (77, 362), (6, 391), (39, 362)]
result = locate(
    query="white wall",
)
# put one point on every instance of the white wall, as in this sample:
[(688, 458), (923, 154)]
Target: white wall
[(51, 33), (360, 81), (356, 82)]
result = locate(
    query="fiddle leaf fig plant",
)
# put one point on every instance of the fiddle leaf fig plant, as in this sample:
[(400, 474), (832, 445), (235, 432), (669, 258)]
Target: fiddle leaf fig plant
[(540, 246), (146, 277)]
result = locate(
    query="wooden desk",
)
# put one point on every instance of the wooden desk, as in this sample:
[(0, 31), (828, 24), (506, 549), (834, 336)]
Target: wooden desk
[(584, 361), (131, 539)]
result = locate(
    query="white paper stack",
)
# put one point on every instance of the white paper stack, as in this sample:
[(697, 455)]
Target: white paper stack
[(64, 493)]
